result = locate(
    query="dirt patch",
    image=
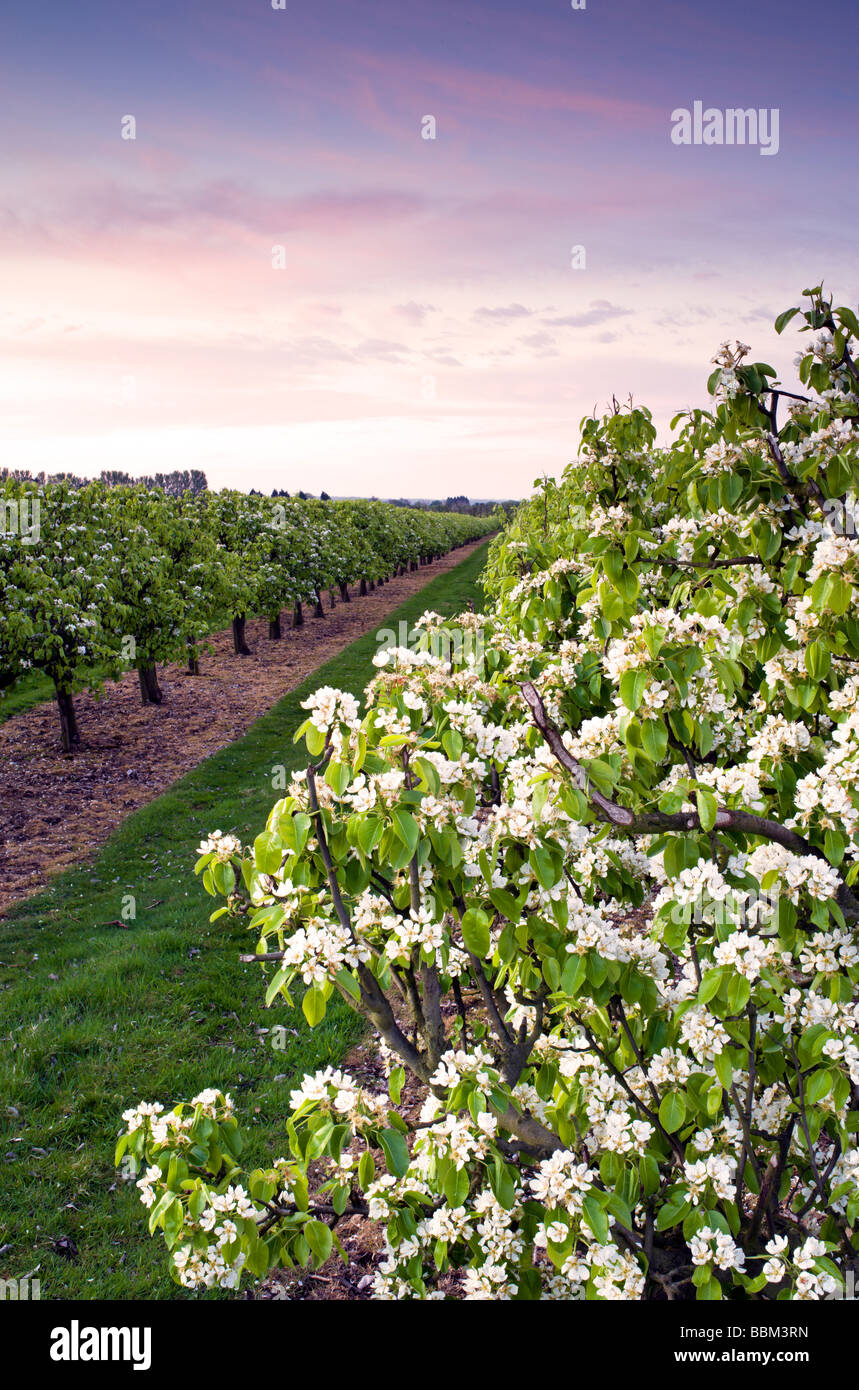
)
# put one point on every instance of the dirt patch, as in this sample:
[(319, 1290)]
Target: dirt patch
[(58, 810)]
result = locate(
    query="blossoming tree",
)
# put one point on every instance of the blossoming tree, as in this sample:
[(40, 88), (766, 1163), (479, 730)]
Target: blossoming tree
[(60, 595), (593, 890)]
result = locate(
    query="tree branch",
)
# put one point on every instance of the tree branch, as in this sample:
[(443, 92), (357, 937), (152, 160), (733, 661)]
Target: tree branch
[(374, 1002), (655, 822)]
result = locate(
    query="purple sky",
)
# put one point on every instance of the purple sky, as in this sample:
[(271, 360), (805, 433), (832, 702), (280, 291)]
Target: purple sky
[(427, 335)]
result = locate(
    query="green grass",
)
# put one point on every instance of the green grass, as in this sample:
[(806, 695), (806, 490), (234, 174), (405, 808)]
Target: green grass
[(33, 689), (95, 1016)]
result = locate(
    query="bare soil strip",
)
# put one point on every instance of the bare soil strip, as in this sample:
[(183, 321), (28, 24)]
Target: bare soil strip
[(57, 810)]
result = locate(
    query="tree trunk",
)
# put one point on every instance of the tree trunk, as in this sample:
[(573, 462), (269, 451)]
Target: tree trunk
[(274, 629), (193, 659), (298, 615), (344, 592), (320, 607), (240, 646), (332, 598), (68, 723), (363, 589), (414, 565), (150, 691)]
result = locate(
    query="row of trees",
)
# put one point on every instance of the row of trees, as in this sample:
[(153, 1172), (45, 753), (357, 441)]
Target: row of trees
[(95, 578), (618, 1104)]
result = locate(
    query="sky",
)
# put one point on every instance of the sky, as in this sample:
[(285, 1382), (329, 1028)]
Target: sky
[(281, 281)]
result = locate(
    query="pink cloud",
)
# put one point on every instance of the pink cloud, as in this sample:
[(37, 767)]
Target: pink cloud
[(494, 94)]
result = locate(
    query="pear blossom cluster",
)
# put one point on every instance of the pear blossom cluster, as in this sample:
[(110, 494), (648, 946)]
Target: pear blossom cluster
[(328, 707), (222, 846), (319, 950), (812, 1281), (337, 1093)]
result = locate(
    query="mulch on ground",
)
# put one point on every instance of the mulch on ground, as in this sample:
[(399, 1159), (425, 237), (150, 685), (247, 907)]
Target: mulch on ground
[(57, 810)]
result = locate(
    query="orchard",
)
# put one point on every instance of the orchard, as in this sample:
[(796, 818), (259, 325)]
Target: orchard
[(130, 576)]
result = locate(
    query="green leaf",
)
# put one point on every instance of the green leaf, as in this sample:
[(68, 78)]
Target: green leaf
[(338, 776), (612, 563), (654, 635), (837, 594), (544, 867), (707, 807), (395, 1151), (475, 931), (848, 320), (628, 586), (674, 1211), (366, 1170), (784, 319), (672, 1111), (347, 980), (456, 1186), (276, 983), (301, 824), (224, 878), (452, 744), (709, 986), (256, 1257), (505, 903), (817, 659), (315, 740), (649, 1170), (632, 687), (738, 993), (502, 1182), (370, 833), (654, 740), (818, 1085), (319, 1238), (610, 602), (428, 774), (573, 973), (314, 1005), (596, 1218), (268, 852), (724, 1067), (406, 828)]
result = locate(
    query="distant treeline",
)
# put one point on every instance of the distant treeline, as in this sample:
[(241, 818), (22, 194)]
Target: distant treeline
[(450, 504), (193, 480), (457, 504)]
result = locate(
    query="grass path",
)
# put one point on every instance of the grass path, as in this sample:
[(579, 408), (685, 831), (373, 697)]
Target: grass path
[(96, 1016)]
